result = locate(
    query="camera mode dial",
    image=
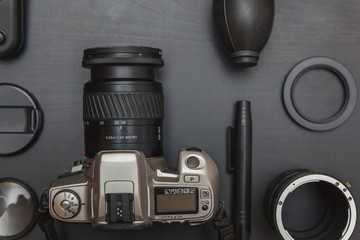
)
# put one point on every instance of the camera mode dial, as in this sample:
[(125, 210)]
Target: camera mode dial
[(66, 204)]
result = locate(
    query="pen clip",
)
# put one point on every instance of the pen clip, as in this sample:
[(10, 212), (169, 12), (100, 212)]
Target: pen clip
[(230, 149)]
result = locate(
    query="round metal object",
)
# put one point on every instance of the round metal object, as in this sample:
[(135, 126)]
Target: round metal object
[(328, 211), (66, 204), (350, 94), (18, 206)]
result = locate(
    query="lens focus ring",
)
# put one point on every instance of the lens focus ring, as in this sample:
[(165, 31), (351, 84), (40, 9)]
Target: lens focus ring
[(123, 105)]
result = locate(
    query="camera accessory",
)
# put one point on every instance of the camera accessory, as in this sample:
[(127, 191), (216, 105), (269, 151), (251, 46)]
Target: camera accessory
[(124, 190), (303, 204), (21, 119), (350, 94), (222, 224), (240, 148), (12, 23), (243, 26), (18, 206), (127, 184), (123, 104)]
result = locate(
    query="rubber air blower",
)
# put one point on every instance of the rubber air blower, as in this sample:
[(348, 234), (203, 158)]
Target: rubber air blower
[(243, 26)]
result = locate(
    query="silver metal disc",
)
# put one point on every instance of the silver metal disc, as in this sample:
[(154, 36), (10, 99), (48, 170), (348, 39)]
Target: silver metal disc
[(18, 205)]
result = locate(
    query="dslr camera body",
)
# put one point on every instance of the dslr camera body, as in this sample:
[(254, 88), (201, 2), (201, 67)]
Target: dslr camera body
[(126, 190), (125, 183)]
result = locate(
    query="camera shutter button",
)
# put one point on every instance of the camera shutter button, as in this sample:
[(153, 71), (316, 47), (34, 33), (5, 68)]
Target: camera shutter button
[(65, 204), (192, 162)]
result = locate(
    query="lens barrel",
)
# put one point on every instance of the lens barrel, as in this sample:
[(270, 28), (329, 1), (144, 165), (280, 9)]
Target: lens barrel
[(302, 204), (123, 105)]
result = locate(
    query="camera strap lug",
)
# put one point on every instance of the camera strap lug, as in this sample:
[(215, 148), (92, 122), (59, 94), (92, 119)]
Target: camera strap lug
[(44, 219), (223, 225)]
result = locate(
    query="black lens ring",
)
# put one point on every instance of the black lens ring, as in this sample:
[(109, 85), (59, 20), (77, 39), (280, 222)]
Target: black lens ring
[(284, 185), (124, 55), (35, 201), (350, 94)]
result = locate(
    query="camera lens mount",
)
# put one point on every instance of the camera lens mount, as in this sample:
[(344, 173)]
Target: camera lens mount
[(302, 204)]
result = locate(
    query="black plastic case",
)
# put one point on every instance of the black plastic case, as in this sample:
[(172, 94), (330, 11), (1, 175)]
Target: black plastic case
[(12, 23)]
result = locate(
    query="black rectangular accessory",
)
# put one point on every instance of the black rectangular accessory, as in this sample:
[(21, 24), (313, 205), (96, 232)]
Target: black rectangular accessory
[(12, 23)]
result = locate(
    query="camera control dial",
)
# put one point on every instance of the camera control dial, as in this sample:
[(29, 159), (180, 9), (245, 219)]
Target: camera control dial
[(66, 204)]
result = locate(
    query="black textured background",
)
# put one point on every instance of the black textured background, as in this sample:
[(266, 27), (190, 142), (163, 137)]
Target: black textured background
[(200, 90)]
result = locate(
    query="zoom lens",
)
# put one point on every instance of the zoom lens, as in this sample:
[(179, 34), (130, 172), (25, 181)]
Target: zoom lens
[(122, 103), (302, 204)]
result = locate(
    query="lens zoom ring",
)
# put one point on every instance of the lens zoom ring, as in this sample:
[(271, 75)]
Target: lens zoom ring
[(134, 105)]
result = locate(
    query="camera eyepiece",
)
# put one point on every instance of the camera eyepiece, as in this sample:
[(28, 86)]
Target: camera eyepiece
[(303, 204), (122, 103)]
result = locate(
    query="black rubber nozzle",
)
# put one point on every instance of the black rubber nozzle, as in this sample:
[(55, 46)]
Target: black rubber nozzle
[(243, 26), (245, 58)]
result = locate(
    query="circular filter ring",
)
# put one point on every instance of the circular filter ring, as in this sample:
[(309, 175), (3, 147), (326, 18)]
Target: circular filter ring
[(350, 94), (23, 194), (330, 188)]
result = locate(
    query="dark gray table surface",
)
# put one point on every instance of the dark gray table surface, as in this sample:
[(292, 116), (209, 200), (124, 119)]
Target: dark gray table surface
[(200, 90)]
